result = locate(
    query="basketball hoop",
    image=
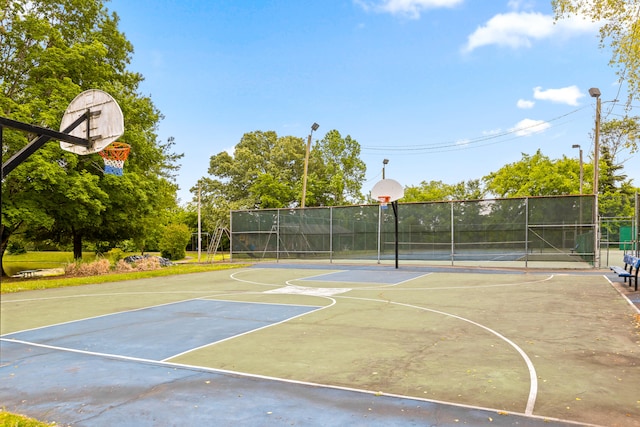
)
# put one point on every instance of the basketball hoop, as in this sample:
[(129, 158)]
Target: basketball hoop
[(114, 156), (384, 200)]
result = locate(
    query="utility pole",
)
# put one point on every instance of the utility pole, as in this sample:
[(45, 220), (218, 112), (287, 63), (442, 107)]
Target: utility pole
[(595, 93), (314, 126)]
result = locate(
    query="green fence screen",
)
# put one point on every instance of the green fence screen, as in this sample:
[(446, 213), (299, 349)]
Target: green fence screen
[(516, 229)]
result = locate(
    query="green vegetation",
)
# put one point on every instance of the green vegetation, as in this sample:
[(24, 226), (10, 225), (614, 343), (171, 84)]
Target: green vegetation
[(266, 171), (13, 420), (40, 260), (618, 21), (174, 240), (52, 51)]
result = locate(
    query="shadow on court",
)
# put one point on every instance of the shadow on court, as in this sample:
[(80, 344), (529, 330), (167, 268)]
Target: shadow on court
[(298, 346)]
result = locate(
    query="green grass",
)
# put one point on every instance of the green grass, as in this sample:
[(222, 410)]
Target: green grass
[(8, 419), (40, 260)]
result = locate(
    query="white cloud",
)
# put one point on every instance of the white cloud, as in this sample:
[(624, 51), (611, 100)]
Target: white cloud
[(520, 29), (528, 127), (525, 104), (566, 95), (410, 8)]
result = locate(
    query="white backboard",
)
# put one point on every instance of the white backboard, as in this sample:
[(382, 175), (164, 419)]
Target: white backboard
[(107, 121), (388, 187)]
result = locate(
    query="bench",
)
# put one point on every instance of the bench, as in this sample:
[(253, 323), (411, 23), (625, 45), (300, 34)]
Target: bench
[(631, 263), (26, 274)]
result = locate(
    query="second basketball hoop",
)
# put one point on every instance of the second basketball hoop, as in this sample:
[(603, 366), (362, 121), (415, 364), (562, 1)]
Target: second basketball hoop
[(386, 191), (384, 200)]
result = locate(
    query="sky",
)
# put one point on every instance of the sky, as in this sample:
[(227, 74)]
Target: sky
[(446, 90)]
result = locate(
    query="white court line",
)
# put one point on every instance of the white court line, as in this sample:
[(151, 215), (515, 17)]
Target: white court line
[(464, 287), (533, 377), (635, 307), (333, 302), (109, 294), (100, 316), (381, 285), (233, 276)]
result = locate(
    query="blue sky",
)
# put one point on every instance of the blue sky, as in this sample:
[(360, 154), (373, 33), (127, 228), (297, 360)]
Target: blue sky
[(447, 90)]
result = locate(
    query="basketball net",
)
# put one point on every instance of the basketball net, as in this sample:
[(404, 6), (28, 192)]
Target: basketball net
[(384, 200), (114, 156)]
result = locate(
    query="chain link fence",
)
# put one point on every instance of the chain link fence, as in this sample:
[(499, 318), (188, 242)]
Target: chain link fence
[(515, 230)]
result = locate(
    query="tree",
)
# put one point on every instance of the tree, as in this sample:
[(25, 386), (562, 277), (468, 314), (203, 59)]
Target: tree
[(266, 171), (51, 50), (620, 136), (536, 175), (337, 171), (439, 191), (619, 29)]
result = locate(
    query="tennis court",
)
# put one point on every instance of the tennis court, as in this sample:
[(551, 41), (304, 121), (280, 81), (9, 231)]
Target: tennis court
[(296, 344)]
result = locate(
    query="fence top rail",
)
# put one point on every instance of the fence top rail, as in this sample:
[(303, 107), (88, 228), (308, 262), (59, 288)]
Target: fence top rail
[(617, 217), (434, 202)]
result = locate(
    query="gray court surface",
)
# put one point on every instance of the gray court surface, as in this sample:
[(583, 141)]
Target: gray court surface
[(111, 370)]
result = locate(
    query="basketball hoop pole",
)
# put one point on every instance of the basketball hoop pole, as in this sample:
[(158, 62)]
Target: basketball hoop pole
[(45, 135), (394, 205)]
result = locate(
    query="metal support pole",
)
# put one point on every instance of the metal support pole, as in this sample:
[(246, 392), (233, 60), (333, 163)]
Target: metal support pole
[(595, 93), (596, 189), (330, 235), (230, 236), (526, 232), (36, 144), (453, 237), (314, 126), (200, 226), (379, 228), (394, 205)]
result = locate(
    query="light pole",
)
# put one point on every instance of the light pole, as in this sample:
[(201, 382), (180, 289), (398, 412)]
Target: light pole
[(595, 93), (581, 167), (314, 126), (384, 163)]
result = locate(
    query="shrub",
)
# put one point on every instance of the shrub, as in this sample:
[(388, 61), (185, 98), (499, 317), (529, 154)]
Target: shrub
[(123, 266), (102, 247), (16, 247), (101, 266), (174, 241), (115, 255), (142, 264)]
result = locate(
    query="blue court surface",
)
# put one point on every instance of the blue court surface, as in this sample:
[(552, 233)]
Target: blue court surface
[(109, 370), (158, 333)]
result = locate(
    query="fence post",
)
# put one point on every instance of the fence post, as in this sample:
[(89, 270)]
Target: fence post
[(526, 232), (277, 235), (453, 239), (330, 235)]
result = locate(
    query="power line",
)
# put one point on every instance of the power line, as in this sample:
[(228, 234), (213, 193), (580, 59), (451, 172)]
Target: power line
[(468, 143)]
